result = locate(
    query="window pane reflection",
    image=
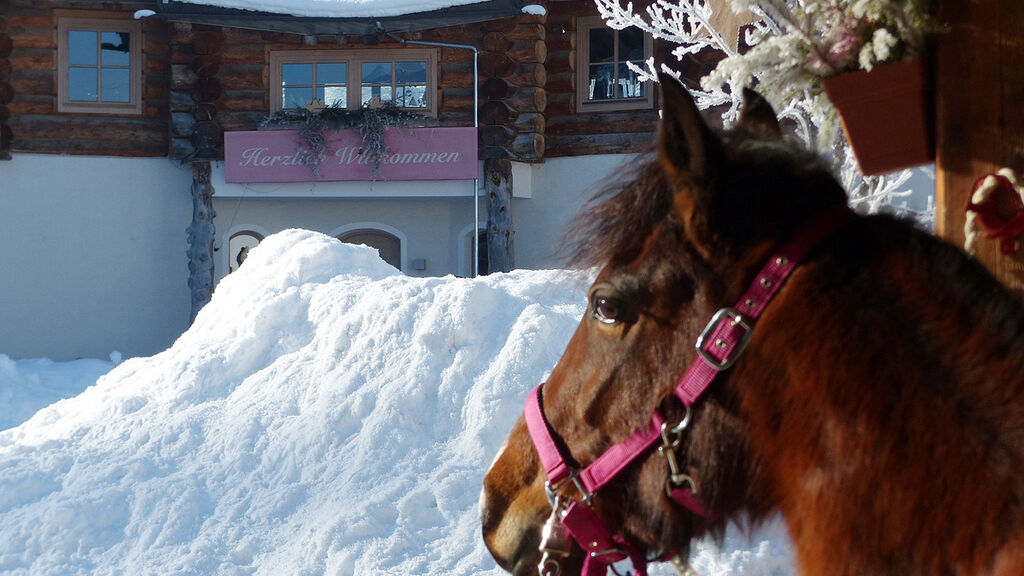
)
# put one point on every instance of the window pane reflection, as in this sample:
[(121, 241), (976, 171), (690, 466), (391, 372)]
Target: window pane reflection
[(411, 72), (297, 74), (375, 93), (82, 85), (297, 97), (602, 45), (334, 96), (602, 82), (376, 72), (115, 85), (114, 49), (411, 97), (82, 47), (331, 73)]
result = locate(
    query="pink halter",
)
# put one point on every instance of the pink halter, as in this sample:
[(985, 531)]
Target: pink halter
[(719, 346)]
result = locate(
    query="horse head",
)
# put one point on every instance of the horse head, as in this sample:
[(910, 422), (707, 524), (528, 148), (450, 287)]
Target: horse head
[(676, 242)]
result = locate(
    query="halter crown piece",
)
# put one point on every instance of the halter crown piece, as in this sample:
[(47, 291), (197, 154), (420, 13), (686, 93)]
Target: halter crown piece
[(719, 346)]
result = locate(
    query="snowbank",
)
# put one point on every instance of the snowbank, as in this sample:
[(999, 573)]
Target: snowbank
[(324, 415)]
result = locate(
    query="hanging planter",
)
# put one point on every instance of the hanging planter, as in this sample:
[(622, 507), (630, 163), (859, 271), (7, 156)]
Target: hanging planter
[(885, 115)]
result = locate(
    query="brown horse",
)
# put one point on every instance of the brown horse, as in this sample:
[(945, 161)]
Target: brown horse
[(879, 404)]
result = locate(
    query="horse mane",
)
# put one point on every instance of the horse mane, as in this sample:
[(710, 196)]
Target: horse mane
[(614, 223)]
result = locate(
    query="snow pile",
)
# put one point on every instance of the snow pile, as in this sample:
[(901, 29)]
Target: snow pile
[(336, 8), (324, 415), (28, 385)]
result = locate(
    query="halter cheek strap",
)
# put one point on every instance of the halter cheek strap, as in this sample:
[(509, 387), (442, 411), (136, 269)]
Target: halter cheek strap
[(718, 347)]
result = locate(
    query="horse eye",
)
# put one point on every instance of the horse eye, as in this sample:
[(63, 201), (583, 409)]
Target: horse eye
[(607, 310)]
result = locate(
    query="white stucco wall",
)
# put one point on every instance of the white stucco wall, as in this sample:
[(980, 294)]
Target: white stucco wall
[(434, 218), (93, 256)]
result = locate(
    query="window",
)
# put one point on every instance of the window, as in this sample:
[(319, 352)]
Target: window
[(353, 79), (604, 80), (99, 62)]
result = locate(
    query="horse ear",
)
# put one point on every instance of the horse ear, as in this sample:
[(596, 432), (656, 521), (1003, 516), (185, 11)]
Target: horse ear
[(685, 143), (691, 156), (758, 117)]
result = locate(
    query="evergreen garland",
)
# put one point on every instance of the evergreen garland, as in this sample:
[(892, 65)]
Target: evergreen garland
[(371, 122)]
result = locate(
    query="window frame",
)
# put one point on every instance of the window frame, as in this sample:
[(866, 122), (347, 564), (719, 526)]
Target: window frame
[(109, 23), (584, 24), (353, 59)]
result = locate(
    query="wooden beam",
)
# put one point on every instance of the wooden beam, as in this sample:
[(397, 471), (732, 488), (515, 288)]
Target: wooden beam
[(979, 117)]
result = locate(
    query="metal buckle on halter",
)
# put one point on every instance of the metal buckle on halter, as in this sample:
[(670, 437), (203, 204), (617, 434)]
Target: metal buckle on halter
[(552, 490), (736, 352)]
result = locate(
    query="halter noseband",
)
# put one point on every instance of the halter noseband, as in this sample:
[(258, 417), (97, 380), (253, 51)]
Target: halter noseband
[(719, 346)]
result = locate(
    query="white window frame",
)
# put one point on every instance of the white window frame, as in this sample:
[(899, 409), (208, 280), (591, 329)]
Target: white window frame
[(584, 24), (353, 58), (75, 21)]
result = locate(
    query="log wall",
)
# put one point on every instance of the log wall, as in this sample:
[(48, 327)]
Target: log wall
[(33, 123)]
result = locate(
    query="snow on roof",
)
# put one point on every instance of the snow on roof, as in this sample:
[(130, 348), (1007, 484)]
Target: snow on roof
[(336, 8)]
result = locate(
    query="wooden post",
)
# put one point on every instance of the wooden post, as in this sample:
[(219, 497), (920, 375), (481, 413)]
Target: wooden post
[(200, 239), (500, 234), (979, 115)]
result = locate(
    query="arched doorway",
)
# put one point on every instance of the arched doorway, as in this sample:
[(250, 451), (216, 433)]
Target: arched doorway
[(388, 245), (239, 245)]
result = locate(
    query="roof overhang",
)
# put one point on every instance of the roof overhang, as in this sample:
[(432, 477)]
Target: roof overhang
[(314, 26)]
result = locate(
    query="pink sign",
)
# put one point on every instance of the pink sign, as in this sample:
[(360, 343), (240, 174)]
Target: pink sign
[(413, 154)]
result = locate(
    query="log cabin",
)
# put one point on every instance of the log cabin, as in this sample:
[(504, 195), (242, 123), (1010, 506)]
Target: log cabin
[(138, 168)]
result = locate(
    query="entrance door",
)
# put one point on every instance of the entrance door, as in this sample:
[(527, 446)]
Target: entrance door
[(388, 245)]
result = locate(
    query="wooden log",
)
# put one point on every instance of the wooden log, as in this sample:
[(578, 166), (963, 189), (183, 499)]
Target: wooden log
[(33, 104), (205, 111), (497, 42), (627, 121), (529, 51), (44, 40), (183, 77), (528, 100), (495, 89), (531, 31), (246, 101), (528, 146), (181, 101), (207, 41), (33, 85), (30, 20), (495, 64), (180, 148), (36, 59), (560, 62), (496, 135), (243, 80), (529, 74), (6, 93), (504, 25), (578, 145), (500, 232), (455, 118), (207, 65), (531, 123), (563, 82), (181, 33), (494, 112), (182, 124), (123, 149), (242, 54), (207, 90)]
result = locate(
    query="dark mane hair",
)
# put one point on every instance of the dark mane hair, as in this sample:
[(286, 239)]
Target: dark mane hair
[(616, 220)]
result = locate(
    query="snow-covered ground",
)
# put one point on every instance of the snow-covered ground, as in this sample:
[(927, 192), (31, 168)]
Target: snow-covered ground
[(324, 415)]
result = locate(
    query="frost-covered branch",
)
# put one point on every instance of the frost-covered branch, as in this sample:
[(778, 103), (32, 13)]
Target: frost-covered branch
[(790, 46)]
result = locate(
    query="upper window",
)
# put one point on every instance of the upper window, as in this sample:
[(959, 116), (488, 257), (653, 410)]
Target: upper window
[(604, 80), (353, 79), (99, 65)]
